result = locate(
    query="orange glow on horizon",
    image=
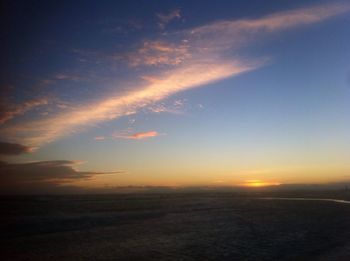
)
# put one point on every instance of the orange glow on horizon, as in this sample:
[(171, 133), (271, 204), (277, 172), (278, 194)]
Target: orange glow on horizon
[(258, 183)]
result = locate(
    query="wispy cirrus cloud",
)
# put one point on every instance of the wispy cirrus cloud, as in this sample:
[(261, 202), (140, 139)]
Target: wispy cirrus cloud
[(176, 107), (67, 76), (8, 110), (159, 53), (200, 57), (226, 33), (40, 131), (165, 18)]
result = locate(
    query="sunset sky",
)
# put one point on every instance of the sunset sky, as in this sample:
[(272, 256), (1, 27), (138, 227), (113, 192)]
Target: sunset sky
[(104, 94)]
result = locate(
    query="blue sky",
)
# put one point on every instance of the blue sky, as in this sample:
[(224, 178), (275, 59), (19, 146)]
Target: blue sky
[(179, 93)]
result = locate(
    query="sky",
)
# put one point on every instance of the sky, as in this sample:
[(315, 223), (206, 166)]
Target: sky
[(117, 94)]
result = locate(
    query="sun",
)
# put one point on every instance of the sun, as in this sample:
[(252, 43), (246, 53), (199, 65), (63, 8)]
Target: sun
[(255, 183)]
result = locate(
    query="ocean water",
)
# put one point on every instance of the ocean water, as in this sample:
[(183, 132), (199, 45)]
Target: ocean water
[(178, 226)]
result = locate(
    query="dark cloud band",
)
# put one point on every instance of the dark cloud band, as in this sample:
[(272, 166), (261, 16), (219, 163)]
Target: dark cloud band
[(13, 148)]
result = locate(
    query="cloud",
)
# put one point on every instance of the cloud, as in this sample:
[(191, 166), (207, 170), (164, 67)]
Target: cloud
[(38, 132), (176, 107), (202, 55), (9, 111), (121, 27), (13, 148), (213, 40), (136, 136), (224, 31), (34, 177), (159, 53), (164, 19), (66, 76), (99, 138)]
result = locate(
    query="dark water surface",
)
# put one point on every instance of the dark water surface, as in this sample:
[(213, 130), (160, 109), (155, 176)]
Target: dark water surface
[(171, 227)]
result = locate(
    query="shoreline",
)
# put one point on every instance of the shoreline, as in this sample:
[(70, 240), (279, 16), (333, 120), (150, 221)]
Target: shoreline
[(342, 201)]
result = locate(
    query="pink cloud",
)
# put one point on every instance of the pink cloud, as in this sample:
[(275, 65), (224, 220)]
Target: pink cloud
[(38, 132), (136, 136)]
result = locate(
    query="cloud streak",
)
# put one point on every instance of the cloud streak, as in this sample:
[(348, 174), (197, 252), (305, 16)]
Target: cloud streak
[(13, 149), (136, 136), (33, 177), (9, 111), (41, 131), (192, 58), (224, 34)]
